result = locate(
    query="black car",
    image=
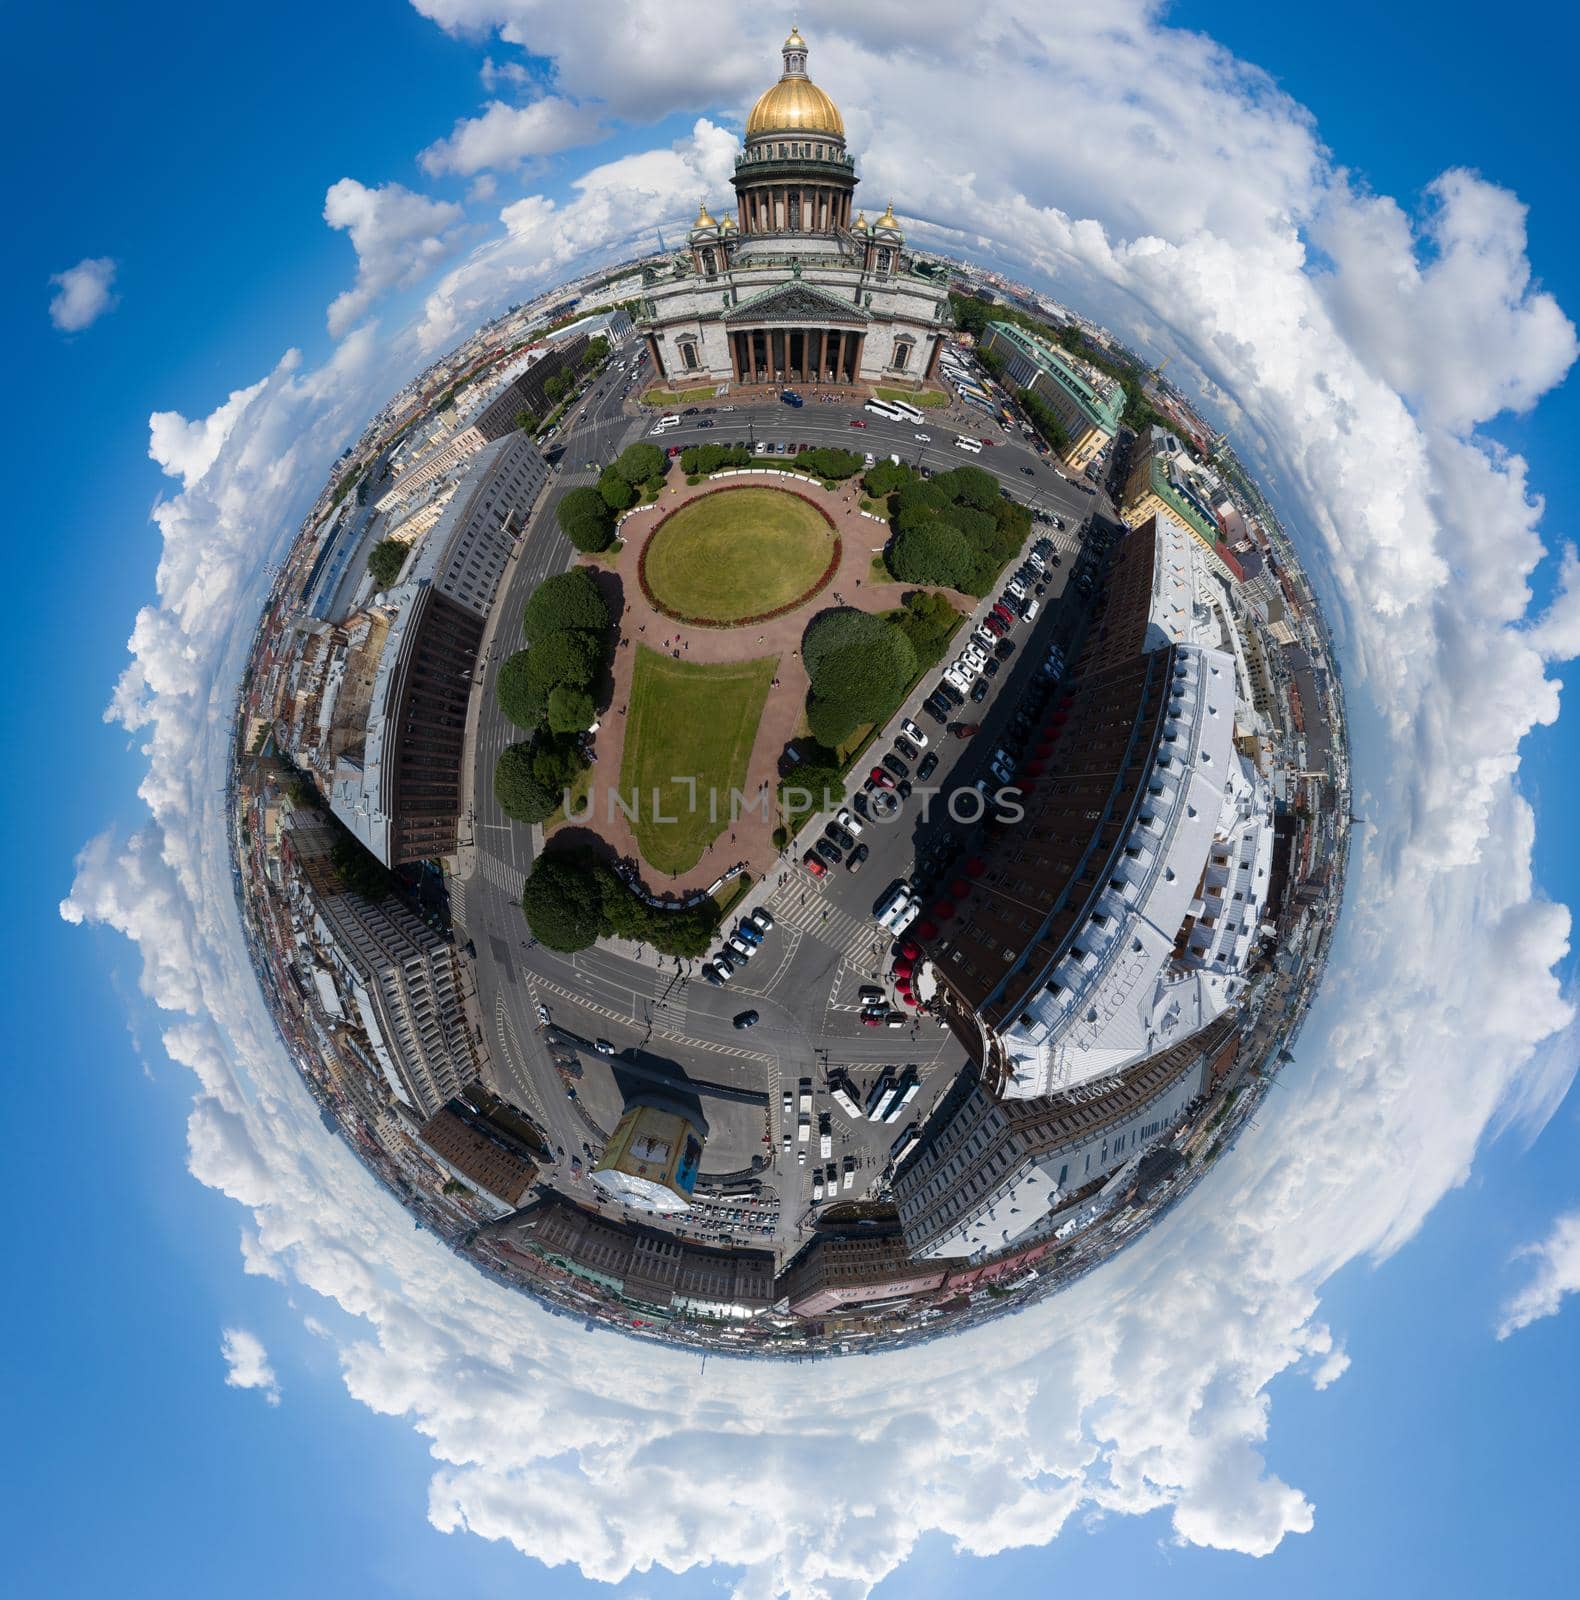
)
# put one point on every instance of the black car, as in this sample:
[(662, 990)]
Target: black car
[(928, 767), (950, 693), (939, 712), (857, 856), (903, 788), (903, 747), (839, 836), (1029, 473), (892, 763), (690, 411), (829, 851), (979, 691), (1004, 649), (991, 667), (704, 424), (746, 1019), (711, 973)]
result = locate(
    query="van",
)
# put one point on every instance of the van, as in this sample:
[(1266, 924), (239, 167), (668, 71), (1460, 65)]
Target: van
[(1032, 608)]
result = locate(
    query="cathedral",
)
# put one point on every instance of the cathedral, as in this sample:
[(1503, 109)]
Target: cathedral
[(793, 288)]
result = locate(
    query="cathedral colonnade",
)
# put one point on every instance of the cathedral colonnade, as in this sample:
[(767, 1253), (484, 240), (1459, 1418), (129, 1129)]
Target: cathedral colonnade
[(793, 208), (796, 355)]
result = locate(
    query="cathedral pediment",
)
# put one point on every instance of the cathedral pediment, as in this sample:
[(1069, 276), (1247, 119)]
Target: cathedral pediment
[(796, 301)]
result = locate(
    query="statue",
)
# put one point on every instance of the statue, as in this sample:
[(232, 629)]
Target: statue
[(795, 268)]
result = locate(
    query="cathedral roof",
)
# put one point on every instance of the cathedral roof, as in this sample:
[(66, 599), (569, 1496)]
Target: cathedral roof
[(795, 104)]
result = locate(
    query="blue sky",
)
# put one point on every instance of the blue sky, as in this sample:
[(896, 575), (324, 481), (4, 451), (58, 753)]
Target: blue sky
[(198, 159)]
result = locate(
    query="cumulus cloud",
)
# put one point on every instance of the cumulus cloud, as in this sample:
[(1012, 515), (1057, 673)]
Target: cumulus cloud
[(83, 293), (399, 238), (1557, 1275), (186, 450), (505, 136), (248, 1364), (1146, 1387)]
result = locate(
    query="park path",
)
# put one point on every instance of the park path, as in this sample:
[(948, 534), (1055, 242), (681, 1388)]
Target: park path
[(749, 839)]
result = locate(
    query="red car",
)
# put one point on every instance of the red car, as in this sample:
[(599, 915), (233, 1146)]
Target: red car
[(814, 865), (674, 450), (881, 778), (995, 624), (857, 422), (987, 441)]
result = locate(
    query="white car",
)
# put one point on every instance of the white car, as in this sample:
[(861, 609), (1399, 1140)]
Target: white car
[(957, 679), (850, 823), (913, 733), (925, 438), (738, 947)]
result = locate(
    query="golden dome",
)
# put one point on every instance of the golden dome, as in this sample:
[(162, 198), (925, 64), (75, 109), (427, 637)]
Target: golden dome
[(703, 219), (860, 224), (795, 105), (888, 219)]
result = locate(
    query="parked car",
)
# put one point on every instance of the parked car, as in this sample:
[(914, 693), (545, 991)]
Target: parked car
[(928, 767), (857, 422), (937, 709), (603, 1047), (764, 919), (847, 821), (813, 865), (913, 733), (965, 730), (896, 766), (979, 692), (949, 692), (881, 778), (739, 947), (711, 973), (857, 856), (905, 748), (840, 837), (746, 1019), (829, 851)]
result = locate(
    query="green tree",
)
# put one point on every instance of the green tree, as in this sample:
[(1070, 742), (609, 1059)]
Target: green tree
[(617, 492), (570, 657), (519, 696), (585, 519), (385, 561), (555, 388), (596, 353), (571, 710), (526, 421), (557, 759), (640, 462), (1044, 419), (563, 901), (884, 477), (519, 790), (567, 600), (932, 552)]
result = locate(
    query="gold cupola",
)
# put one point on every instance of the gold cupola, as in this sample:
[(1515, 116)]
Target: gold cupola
[(795, 104)]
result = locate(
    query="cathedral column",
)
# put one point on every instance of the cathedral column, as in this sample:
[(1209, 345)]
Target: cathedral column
[(839, 356), (855, 357), (932, 360), (658, 360)]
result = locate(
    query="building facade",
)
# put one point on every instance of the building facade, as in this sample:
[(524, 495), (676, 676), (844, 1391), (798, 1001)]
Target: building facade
[(997, 1169), (478, 1158), (1160, 481), (1088, 403), (401, 978), (842, 1272), (398, 789), (796, 286)]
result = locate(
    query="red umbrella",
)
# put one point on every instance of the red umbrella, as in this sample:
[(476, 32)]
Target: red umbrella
[(1033, 767), (903, 971), (943, 908), (908, 1000), (910, 949), (960, 888), (927, 930), (976, 866)]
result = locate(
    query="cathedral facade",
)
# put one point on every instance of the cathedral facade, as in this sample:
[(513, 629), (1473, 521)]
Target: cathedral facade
[(794, 288)]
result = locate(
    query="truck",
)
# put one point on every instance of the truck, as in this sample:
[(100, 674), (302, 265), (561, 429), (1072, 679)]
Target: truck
[(850, 1171), (825, 1144), (806, 1096), (804, 1128)]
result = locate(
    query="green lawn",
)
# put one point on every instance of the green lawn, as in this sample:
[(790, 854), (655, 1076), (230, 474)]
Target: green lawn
[(688, 720), (687, 397), (922, 399), (737, 553)]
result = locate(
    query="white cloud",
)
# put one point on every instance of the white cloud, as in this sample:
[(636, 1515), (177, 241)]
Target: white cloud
[(248, 1364), (1557, 1276), (83, 294), (1147, 1386), (186, 450), (399, 238), (504, 136)]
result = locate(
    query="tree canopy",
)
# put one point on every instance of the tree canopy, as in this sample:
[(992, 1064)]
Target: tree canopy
[(619, 494), (585, 519), (519, 790), (639, 462), (570, 709), (932, 552), (859, 666), (567, 600), (572, 898), (385, 561), (835, 465)]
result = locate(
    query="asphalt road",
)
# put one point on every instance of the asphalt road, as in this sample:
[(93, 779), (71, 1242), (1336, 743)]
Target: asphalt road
[(803, 982)]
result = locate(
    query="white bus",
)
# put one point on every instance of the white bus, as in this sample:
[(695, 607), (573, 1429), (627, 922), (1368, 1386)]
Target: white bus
[(882, 408), (906, 413), (973, 445)]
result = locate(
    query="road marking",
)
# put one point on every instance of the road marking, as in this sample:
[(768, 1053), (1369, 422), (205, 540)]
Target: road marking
[(501, 875), (576, 997), (507, 1035)]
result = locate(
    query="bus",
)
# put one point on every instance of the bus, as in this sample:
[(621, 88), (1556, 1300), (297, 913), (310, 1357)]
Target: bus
[(882, 408), (906, 413)]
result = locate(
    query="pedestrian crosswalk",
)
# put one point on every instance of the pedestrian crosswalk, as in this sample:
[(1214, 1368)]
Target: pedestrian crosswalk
[(798, 905), (501, 875)]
